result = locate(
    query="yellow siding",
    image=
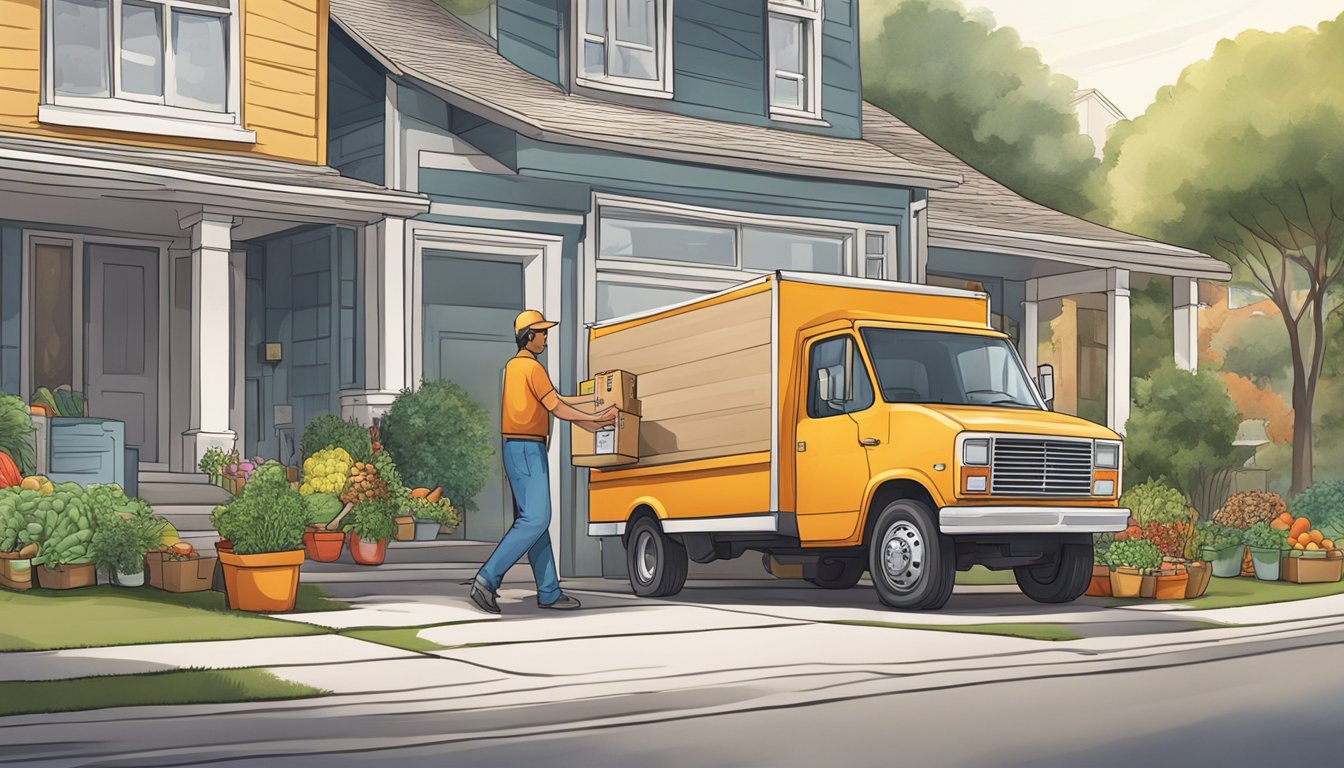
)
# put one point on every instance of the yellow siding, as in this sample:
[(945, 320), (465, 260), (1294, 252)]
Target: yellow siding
[(284, 50)]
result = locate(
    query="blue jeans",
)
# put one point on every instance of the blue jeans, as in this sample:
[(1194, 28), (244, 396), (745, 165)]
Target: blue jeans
[(530, 480)]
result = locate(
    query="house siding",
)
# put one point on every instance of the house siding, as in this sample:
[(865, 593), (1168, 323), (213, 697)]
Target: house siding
[(284, 50), (532, 34), (356, 112), (11, 304)]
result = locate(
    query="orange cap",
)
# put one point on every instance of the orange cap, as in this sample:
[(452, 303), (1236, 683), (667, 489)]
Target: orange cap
[(530, 319)]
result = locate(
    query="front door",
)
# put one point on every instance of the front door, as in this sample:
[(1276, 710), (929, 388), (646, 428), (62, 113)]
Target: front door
[(831, 464), (469, 306), (122, 341)]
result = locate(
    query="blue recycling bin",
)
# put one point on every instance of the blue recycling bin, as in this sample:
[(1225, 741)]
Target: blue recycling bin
[(87, 451)]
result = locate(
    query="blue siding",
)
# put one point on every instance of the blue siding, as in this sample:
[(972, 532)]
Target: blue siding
[(719, 59), (841, 100), (532, 35), (355, 111), (11, 298)]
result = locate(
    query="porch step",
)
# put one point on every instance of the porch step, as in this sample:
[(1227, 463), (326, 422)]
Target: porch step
[(149, 476), (178, 494), (186, 517)]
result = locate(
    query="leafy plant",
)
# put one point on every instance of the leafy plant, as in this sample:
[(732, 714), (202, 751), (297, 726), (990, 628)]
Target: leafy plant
[(268, 516), (439, 437), (1211, 535), (1262, 536), (1134, 553), (387, 470), (120, 545), (331, 431), (108, 499), (1156, 502), (16, 433), (372, 519), (66, 525), (214, 461), (322, 508), (1323, 505), (441, 512)]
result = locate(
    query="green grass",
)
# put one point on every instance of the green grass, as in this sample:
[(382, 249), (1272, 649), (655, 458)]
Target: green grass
[(190, 686), (105, 616), (405, 638), (1050, 632), (1243, 591), (979, 575)]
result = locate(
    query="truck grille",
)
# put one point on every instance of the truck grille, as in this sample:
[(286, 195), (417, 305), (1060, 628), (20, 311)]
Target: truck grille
[(1041, 467)]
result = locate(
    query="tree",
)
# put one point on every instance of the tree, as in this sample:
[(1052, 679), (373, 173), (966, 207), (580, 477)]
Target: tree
[(977, 91), (1150, 327), (1241, 159), (1181, 430)]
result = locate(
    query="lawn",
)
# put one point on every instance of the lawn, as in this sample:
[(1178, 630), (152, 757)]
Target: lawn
[(191, 686), (405, 638), (1051, 632), (979, 575), (1242, 591), (102, 616)]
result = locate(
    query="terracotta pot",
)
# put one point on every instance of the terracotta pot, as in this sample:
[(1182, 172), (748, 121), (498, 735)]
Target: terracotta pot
[(1149, 586), (1201, 573), (1126, 582), (323, 546), (367, 552), (1100, 586), (268, 582), (1247, 565), (1171, 586)]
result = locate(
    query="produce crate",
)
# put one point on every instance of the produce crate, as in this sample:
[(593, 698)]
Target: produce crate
[(67, 576), (15, 574), (171, 574), (1308, 569)]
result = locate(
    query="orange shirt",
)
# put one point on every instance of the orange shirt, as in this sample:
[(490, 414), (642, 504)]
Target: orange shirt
[(527, 400)]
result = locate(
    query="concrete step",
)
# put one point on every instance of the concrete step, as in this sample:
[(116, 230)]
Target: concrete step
[(148, 476), (186, 517), (183, 493)]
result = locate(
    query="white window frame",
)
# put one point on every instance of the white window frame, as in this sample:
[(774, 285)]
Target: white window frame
[(809, 12), (147, 114), (661, 87)]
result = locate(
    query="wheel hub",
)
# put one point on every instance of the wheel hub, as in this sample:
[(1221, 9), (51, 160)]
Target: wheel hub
[(902, 556), (646, 559)]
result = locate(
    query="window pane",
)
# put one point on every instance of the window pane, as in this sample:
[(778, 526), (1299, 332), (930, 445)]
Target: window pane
[(594, 59), (53, 328), (635, 63), (620, 299), (787, 93), (635, 21), (597, 18), (768, 249), (142, 49), (674, 240), (200, 61), (81, 33), (786, 44), (876, 244)]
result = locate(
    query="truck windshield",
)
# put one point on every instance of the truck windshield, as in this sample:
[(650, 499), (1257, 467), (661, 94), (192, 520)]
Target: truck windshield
[(948, 368)]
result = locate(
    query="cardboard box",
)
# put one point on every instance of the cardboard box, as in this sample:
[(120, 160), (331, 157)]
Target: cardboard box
[(179, 575), (612, 446), (405, 528), (67, 576), (1305, 569), (616, 388), (15, 574)]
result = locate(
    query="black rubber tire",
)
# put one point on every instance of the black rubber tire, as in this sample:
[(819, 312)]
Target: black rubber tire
[(938, 561), (838, 572), (664, 571), (1064, 578)]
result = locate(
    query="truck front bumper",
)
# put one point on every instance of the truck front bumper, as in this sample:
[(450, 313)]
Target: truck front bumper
[(964, 520)]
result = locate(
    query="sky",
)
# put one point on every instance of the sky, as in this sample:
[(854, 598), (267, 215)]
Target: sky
[(1129, 49)]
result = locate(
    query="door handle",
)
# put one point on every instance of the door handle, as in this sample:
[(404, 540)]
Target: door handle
[(869, 441), (802, 446)]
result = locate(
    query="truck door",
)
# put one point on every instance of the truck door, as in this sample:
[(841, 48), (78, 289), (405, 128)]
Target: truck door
[(831, 465)]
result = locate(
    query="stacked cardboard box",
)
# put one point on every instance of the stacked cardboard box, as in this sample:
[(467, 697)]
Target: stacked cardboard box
[(177, 574), (615, 445)]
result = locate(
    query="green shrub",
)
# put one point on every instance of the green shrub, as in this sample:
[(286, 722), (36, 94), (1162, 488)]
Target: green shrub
[(322, 508), (1262, 536), (268, 516), (331, 431), (1154, 502), (16, 433), (1214, 536), (372, 519), (439, 437), (1134, 553), (1323, 505), (120, 545)]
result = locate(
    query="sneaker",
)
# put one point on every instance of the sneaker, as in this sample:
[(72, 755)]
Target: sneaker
[(484, 598), (564, 603)]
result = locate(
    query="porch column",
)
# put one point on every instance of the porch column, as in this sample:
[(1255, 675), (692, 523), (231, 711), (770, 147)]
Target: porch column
[(1117, 349), (386, 301), (211, 242), (1031, 328), (1185, 321)]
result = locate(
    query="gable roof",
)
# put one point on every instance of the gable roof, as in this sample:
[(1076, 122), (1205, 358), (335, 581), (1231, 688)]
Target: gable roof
[(420, 40), (983, 215)]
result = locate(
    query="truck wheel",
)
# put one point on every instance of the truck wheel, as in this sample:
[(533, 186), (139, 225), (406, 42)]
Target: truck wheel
[(913, 565), (838, 572), (657, 562), (1062, 580)]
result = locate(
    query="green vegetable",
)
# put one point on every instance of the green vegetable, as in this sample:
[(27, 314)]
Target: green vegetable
[(1134, 553), (372, 519), (1211, 535), (16, 433), (330, 431), (322, 507), (1153, 502), (1262, 536)]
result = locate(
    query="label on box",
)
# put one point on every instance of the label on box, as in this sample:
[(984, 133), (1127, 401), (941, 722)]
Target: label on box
[(605, 441), (586, 388)]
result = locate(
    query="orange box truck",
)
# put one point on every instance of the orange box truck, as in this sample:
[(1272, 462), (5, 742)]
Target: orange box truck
[(842, 426)]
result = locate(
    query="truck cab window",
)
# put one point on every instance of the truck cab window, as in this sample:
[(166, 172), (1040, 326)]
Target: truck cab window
[(830, 362)]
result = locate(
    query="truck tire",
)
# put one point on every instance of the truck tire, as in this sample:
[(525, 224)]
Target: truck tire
[(912, 563), (838, 572), (657, 562), (1062, 580)]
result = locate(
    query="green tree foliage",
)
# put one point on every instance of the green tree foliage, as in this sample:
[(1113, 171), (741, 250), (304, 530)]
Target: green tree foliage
[(439, 437), (1258, 351), (1181, 429), (1241, 159), (975, 89), (1150, 327)]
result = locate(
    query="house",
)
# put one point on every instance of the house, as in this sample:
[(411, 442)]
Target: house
[(1097, 115), (382, 192)]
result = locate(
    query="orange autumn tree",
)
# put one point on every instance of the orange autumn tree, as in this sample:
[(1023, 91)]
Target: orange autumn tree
[(1255, 402)]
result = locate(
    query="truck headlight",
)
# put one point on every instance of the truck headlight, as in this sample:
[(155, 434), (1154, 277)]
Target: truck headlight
[(975, 453), (1106, 456)]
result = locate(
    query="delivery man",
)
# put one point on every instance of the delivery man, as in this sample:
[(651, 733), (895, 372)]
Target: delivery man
[(529, 400)]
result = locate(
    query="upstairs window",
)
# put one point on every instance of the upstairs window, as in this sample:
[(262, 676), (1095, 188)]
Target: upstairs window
[(625, 45), (795, 59), (153, 58)]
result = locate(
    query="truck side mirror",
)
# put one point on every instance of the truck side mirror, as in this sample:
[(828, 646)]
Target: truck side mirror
[(829, 386), (1045, 377)]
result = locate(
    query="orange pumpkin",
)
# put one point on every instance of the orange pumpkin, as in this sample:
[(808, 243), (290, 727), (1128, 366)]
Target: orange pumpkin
[(9, 471)]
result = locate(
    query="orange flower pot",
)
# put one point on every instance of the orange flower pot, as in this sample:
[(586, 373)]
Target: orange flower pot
[(1171, 586), (1201, 572), (1100, 585), (268, 583), (323, 546), (367, 552), (1126, 582)]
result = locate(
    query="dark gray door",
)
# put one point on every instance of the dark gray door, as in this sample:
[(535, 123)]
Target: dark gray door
[(470, 304), (121, 341)]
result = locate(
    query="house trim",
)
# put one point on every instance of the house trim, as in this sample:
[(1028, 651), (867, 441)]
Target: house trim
[(811, 14), (123, 117), (660, 88)]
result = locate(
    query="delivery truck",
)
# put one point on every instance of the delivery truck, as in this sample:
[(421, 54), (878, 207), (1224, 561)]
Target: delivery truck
[(840, 426)]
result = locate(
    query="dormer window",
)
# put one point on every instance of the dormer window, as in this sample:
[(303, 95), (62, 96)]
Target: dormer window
[(795, 59), (625, 45)]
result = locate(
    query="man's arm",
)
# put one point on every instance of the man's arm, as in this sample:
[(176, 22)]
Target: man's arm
[(562, 410), (576, 400)]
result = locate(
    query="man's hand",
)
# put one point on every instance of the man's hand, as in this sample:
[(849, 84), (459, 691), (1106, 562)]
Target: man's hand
[(606, 415), (563, 410)]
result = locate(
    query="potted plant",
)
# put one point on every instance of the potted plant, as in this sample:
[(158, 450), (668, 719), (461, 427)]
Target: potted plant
[(264, 525), (1100, 585), (371, 525), (1172, 578), (18, 544), (320, 544), (64, 559), (120, 545), (1267, 545), (1131, 560), (1221, 545), (213, 463), (432, 517)]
